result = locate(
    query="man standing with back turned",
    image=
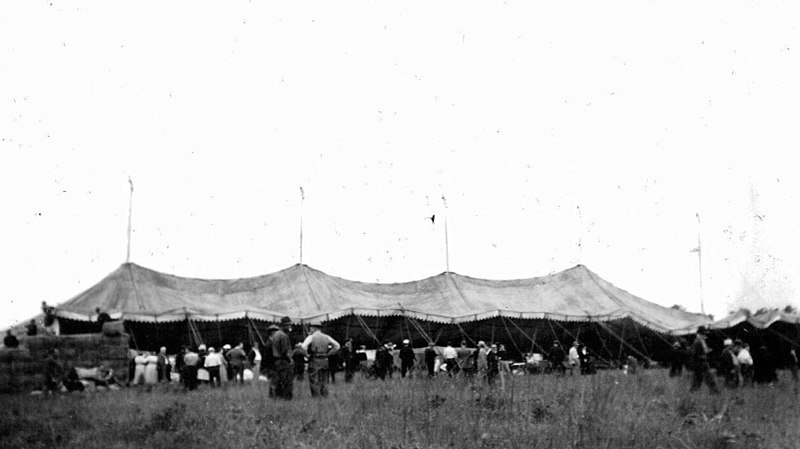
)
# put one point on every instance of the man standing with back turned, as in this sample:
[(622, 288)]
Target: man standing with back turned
[(318, 346)]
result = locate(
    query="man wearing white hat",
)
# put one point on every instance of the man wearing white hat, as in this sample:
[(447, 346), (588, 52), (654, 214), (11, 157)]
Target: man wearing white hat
[(318, 346), (407, 358)]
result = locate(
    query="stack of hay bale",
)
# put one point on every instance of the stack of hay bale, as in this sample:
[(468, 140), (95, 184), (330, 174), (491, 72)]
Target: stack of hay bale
[(22, 369)]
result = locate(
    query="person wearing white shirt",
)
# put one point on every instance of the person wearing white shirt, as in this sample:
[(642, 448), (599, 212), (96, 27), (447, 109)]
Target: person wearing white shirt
[(450, 357), (138, 374), (212, 365), (574, 358), (745, 362)]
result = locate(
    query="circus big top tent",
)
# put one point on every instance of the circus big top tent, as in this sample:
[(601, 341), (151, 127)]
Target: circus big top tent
[(527, 314)]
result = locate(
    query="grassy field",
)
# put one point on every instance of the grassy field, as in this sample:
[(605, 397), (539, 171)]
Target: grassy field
[(609, 410)]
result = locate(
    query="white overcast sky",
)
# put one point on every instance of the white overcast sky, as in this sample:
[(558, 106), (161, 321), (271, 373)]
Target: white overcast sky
[(559, 132)]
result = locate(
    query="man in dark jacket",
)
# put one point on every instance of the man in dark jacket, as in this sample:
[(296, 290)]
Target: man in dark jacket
[(379, 363), (430, 358), (729, 365), (492, 365), (702, 370), (677, 358), (347, 356), (557, 356), (407, 359), (764, 366), (282, 359), (237, 358)]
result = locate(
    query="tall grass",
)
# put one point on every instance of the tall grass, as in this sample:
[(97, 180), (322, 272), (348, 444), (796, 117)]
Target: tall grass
[(609, 410)]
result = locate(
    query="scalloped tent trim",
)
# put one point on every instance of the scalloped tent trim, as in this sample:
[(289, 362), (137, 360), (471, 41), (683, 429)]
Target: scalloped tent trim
[(139, 294)]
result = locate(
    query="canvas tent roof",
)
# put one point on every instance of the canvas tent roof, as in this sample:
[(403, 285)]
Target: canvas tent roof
[(575, 294), (761, 320)]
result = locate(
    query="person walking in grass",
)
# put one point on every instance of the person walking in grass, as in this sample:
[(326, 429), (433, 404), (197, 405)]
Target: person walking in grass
[(745, 362), (701, 369), (348, 358), (407, 359), (430, 358), (319, 346), (729, 365), (574, 358)]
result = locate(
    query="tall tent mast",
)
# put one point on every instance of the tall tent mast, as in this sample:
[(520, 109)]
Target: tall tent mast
[(302, 200), (699, 251), (130, 214), (446, 241), (580, 235)]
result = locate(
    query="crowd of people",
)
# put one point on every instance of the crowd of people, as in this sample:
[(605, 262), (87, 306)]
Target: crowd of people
[(280, 363), (736, 365), (321, 356)]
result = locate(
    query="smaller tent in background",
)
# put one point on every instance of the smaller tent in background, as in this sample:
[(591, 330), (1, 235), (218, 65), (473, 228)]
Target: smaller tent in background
[(779, 331)]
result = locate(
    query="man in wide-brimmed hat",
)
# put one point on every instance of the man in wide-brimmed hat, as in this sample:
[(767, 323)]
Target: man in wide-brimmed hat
[(702, 370), (319, 346), (282, 380)]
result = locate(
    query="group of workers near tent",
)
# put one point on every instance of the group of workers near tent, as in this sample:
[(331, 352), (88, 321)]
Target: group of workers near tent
[(736, 364), (283, 362)]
